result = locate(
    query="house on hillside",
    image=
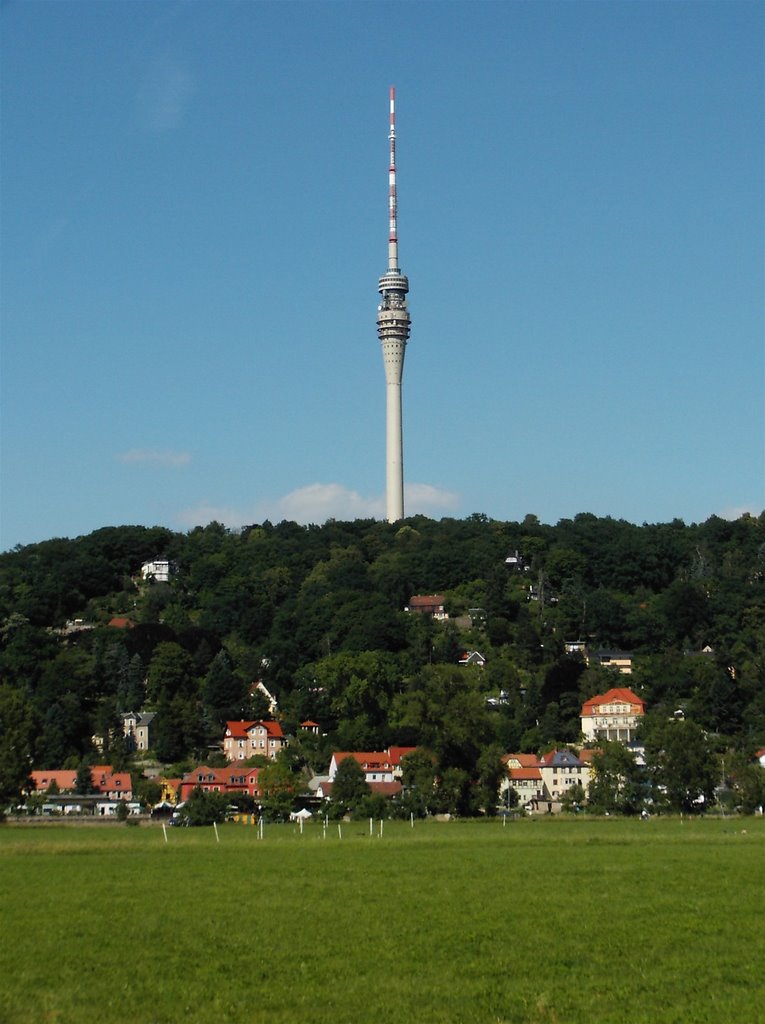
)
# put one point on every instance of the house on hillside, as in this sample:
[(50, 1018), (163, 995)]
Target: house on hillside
[(106, 783), (614, 715), (323, 789), (246, 739), (516, 562), (562, 769), (138, 729), (523, 775), (220, 780), (378, 765), (575, 647), (428, 604), (158, 569), (170, 789), (620, 660), (472, 658)]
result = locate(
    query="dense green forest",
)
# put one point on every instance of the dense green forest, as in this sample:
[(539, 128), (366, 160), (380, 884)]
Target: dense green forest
[(317, 614)]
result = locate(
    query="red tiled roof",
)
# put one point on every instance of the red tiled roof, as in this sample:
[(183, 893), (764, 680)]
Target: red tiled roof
[(228, 780), (240, 730), (528, 774), (369, 759), (524, 760), (425, 600), (396, 753), (586, 754), (104, 780), (120, 622), (63, 779), (375, 760), (618, 695)]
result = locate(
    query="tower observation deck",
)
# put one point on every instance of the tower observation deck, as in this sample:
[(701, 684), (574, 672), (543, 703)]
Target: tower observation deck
[(393, 326)]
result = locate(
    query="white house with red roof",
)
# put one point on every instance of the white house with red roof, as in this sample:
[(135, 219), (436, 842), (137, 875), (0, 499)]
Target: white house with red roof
[(246, 739), (523, 775), (545, 779), (378, 765), (614, 715)]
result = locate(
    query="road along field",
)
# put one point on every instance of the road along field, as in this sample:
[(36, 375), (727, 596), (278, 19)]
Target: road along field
[(561, 921)]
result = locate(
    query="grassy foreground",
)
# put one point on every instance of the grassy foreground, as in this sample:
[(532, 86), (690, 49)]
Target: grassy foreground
[(559, 921)]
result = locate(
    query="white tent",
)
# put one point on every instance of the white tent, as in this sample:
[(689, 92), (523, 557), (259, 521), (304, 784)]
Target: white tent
[(302, 813)]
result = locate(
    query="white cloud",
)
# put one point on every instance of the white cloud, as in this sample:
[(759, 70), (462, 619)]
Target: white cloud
[(733, 512), (316, 503), (151, 456), (423, 499)]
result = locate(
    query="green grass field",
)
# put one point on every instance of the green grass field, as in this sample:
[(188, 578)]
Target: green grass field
[(559, 920)]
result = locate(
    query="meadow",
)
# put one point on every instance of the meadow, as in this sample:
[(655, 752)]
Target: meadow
[(560, 921)]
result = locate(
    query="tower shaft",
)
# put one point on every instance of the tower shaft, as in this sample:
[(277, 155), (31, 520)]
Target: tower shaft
[(393, 326)]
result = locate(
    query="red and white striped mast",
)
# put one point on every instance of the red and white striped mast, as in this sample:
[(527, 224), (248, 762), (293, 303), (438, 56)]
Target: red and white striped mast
[(393, 326), (392, 199)]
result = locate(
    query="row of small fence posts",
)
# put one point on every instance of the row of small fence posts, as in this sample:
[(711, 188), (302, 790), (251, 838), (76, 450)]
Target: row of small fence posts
[(325, 824)]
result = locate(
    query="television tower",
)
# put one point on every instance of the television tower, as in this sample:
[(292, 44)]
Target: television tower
[(393, 324)]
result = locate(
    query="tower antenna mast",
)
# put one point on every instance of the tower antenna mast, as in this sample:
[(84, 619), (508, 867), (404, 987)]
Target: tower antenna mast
[(393, 326), (392, 197)]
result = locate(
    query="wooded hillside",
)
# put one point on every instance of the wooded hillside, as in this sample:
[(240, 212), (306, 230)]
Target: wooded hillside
[(317, 614)]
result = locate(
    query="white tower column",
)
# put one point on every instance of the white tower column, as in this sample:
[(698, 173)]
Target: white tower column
[(393, 325)]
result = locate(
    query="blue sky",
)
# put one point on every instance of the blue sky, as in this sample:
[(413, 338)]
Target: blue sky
[(194, 219)]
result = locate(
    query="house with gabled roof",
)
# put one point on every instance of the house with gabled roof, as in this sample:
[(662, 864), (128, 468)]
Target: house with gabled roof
[(106, 783), (378, 765), (169, 790), (523, 775), (614, 715), (245, 739), (472, 658), (428, 604), (138, 729), (562, 769), (545, 780), (220, 780), (323, 789)]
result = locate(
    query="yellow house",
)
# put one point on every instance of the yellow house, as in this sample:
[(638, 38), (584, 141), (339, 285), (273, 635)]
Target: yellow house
[(170, 788)]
